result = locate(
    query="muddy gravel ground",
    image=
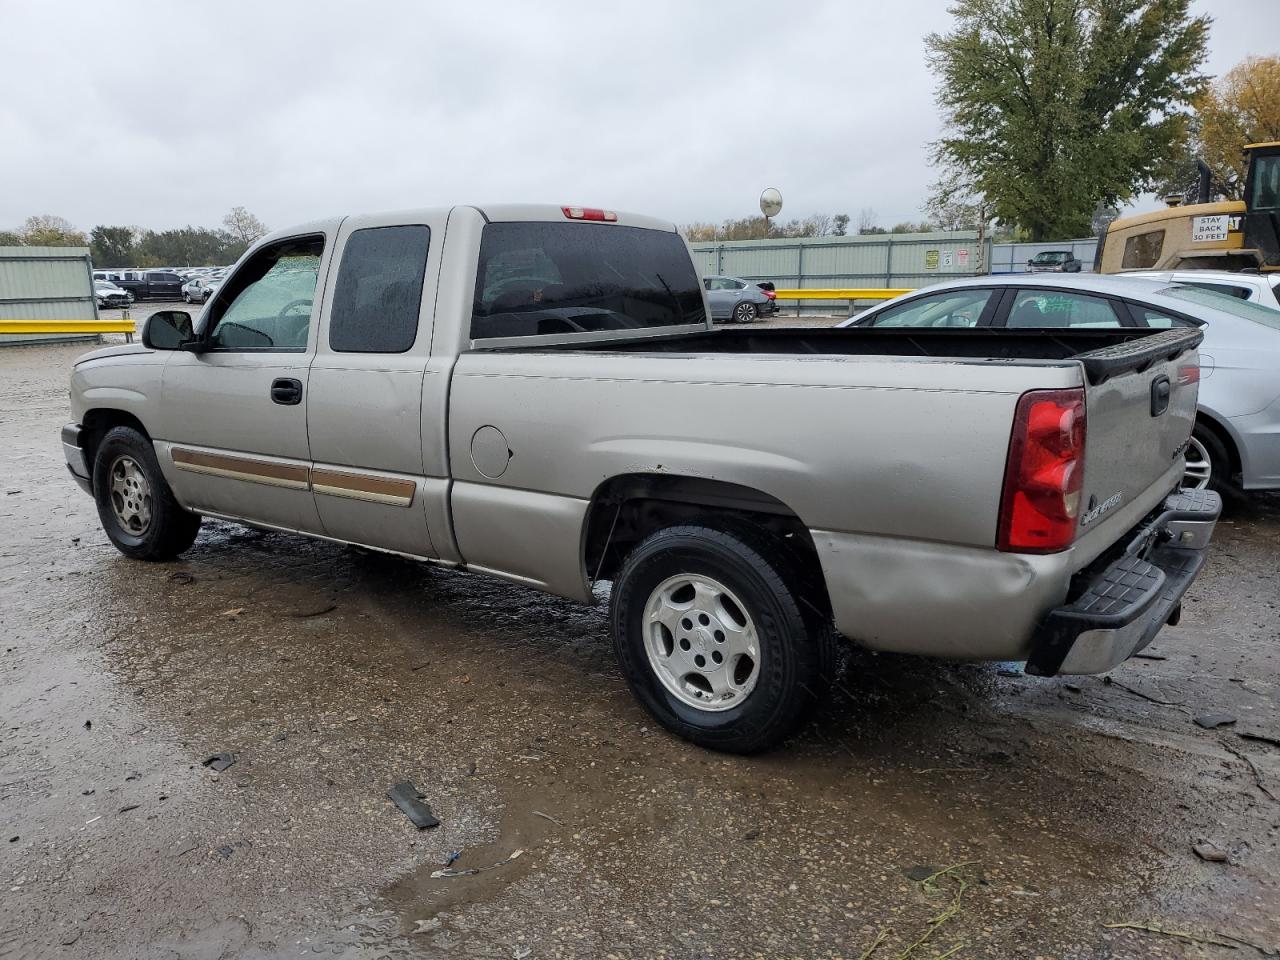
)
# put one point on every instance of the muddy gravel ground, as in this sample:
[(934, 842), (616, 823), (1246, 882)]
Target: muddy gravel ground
[(1051, 814)]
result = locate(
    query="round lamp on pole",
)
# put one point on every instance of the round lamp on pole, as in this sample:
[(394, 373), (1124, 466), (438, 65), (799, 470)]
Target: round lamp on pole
[(770, 205)]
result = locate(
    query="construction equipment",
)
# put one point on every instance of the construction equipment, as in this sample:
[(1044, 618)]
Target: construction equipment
[(1223, 235)]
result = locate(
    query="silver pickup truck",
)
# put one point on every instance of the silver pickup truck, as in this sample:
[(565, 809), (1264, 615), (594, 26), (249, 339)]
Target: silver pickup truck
[(537, 393)]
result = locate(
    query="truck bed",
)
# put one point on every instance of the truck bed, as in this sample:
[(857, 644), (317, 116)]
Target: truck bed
[(1103, 352)]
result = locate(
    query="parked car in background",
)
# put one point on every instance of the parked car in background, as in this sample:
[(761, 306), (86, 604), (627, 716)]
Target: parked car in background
[(1236, 440), (111, 276), (1263, 288), (736, 301), (109, 295), (152, 284), (770, 291), (1054, 261), (199, 289)]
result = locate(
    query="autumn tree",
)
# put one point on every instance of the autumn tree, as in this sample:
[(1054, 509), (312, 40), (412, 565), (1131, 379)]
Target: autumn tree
[(1242, 107), (244, 226), (48, 230), (1054, 106)]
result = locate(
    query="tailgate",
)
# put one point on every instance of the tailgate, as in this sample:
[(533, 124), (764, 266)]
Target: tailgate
[(1140, 400)]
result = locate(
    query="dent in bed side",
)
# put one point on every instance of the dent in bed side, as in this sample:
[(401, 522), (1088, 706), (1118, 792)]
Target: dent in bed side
[(939, 599)]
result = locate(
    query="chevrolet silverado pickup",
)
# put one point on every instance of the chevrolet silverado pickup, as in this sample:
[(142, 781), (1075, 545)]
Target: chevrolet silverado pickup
[(537, 393)]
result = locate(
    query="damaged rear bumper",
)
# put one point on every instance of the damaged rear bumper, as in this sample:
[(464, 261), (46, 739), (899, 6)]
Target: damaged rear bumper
[(1120, 603)]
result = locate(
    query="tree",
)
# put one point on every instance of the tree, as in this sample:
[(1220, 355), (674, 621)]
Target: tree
[(10, 239), (699, 232), (840, 224), (243, 225), (906, 226), (111, 246), (1242, 107), (1053, 106), (48, 230)]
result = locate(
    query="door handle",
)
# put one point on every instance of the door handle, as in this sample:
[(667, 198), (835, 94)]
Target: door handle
[(287, 391)]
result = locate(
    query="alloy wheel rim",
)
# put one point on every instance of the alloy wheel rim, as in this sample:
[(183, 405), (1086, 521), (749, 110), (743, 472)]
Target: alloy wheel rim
[(1198, 470), (701, 642), (131, 499)]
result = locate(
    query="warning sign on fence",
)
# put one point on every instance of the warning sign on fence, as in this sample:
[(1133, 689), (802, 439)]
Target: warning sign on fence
[(931, 259)]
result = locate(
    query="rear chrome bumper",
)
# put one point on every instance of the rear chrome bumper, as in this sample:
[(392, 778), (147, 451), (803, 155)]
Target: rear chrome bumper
[(1120, 606), (76, 462)]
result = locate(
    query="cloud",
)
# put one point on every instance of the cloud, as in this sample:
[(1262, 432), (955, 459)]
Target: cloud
[(168, 114)]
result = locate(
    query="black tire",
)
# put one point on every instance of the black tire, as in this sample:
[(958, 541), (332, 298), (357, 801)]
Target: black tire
[(745, 312), (169, 529), (792, 646), (1211, 448)]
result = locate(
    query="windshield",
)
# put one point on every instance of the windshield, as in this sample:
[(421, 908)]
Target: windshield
[(1050, 257), (1225, 302), (1266, 183), (555, 278)]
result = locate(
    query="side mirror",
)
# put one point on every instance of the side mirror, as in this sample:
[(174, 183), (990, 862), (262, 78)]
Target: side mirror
[(167, 330)]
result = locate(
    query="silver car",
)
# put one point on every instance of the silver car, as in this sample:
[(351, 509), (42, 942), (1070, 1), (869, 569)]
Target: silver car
[(1236, 442), (735, 300), (200, 289)]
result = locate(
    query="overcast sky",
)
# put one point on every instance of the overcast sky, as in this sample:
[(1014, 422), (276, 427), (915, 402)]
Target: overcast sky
[(164, 114)]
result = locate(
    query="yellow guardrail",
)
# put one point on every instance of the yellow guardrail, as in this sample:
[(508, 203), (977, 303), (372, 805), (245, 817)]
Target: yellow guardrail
[(854, 293), (66, 326)]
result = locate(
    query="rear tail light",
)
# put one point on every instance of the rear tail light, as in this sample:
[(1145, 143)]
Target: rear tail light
[(1188, 375), (770, 294), (1044, 474), (589, 213)]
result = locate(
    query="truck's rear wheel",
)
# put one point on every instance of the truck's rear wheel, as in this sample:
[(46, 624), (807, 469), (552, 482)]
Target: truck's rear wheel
[(711, 637), (135, 505)]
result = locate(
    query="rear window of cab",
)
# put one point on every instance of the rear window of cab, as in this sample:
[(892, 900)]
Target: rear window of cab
[(538, 279)]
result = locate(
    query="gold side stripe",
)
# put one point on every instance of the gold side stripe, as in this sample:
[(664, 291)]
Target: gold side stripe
[(336, 483), (293, 476), (363, 486)]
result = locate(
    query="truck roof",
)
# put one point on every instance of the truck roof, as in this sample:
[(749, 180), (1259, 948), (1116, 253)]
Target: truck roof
[(493, 212)]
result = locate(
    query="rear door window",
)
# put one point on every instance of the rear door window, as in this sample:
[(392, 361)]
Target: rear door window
[(954, 308), (563, 278), (1158, 319), (379, 290), (1054, 308)]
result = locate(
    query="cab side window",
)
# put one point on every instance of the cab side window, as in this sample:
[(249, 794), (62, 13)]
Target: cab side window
[(267, 304), (379, 290)]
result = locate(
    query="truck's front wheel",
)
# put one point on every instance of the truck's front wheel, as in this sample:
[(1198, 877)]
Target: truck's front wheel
[(709, 633), (137, 509)]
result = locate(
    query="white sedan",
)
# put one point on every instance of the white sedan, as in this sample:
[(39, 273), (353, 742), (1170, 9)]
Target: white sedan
[(1262, 288)]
